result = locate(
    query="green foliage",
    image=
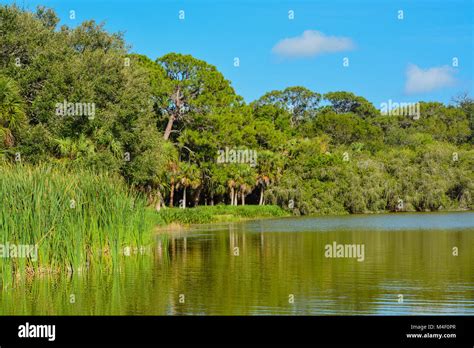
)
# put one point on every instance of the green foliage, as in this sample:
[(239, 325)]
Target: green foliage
[(12, 115), (161, 125), (299, 102), (196, 88), (346, 128), (345, 102)]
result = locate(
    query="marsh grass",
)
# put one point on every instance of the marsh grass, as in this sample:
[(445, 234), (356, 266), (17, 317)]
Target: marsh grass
[(219, 213), (77, 219)]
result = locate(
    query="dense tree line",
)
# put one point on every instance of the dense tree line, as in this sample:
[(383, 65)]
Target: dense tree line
[(161, 124)]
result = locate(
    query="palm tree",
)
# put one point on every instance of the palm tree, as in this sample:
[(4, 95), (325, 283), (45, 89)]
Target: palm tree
[(75, 148), (171, 164), (217, 182), (12, 114), (262, 181), (173, 168), (231, 184), (269, 169), (245, 189), (190, 176), (245, 181)]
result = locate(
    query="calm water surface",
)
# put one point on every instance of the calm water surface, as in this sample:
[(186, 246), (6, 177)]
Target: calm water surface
[(198, 272)]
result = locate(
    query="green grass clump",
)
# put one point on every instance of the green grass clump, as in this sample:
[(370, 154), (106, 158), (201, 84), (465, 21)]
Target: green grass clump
[(76, 218), (208, 214)]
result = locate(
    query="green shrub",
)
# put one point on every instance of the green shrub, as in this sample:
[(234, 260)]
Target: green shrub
[(208, 214)]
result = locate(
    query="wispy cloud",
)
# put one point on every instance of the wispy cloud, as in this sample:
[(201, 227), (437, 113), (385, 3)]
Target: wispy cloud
[(311, 43), (427, 80)]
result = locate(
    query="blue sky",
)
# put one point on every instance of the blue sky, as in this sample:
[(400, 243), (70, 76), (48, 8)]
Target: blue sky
[(404, 60)]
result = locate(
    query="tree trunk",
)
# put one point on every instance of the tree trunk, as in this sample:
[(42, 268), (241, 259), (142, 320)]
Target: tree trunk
[(261, 196), (197, 196), (243, 198), (149, 195), (236, 198), (158, 201), (184, 197), (172, 194), (231, 196), (169, 127)]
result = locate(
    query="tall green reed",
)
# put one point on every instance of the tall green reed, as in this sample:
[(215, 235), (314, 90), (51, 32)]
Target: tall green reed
[(76, 218)]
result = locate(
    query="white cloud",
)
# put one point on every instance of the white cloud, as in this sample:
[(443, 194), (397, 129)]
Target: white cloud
[(311, 43), (420, 81)]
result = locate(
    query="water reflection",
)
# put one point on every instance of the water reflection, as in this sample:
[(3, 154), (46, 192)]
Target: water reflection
[(258, 267)]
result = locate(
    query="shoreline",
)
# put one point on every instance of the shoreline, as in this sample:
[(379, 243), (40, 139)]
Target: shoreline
[(175, 227)]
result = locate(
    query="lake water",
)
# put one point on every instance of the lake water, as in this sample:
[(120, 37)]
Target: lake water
[(278, 266)]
